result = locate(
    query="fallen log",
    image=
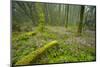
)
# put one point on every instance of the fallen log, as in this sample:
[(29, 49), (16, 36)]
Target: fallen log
[(33, 56)]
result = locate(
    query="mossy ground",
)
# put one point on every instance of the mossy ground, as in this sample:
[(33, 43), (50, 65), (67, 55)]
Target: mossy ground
[(71, 48)]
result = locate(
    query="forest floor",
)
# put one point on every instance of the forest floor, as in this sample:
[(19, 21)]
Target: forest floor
[(71, 48)]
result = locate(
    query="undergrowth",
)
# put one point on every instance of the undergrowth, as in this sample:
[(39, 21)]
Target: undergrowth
[(70, 48)]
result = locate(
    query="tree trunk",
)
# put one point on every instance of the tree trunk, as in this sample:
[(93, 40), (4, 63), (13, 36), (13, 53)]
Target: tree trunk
[(81, 20)]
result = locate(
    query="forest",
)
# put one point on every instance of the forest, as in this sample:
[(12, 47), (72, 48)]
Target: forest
[(48, 33)]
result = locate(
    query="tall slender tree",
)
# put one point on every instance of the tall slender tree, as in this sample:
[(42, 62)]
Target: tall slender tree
[(66, 15), (81, 20)]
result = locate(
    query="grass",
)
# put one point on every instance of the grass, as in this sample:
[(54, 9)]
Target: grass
[(70, 48)]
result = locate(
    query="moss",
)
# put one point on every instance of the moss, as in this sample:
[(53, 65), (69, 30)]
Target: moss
[(68, 50), (25, 36), (31, 33), (33, 56)]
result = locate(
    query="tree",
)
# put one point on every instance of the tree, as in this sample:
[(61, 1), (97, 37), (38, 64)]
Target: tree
[(90, 17), (81, 20), (66, 15), (41, 15)]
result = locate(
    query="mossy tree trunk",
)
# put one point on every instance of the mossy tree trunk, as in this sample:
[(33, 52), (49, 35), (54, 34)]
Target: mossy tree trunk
[(41, 15)]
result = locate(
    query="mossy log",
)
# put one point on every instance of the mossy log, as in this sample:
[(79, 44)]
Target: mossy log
[(33, 56), (25, 36), (30, 33)]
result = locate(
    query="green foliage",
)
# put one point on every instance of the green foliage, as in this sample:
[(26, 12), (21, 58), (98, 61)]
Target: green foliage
[(35, 54), (25, 36), (50, 35), (41, 27), (68, 49), (30, 33), (67, 53), (22, 44)]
